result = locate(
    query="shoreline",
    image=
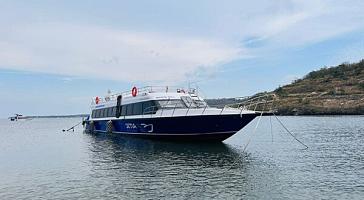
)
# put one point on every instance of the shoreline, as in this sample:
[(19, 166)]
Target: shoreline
[(284, 115)]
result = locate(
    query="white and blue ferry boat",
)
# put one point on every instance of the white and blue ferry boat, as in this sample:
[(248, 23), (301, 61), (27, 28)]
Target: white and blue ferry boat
[(165, 113)]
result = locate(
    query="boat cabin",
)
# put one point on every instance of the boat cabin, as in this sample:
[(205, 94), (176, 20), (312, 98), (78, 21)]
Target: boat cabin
[(145, 101)]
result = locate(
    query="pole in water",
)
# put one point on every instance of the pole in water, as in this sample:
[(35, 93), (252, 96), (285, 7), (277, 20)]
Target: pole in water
[(271, 127)]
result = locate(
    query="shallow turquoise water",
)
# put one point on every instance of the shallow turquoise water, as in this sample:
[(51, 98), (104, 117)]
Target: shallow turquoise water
[(39, 161)]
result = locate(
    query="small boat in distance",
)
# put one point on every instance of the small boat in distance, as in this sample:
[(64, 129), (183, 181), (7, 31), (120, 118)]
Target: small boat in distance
[(165, 113), (16, 117)]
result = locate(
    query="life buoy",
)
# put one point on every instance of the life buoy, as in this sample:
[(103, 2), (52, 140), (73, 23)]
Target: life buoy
[(134, 91), (97, 100)]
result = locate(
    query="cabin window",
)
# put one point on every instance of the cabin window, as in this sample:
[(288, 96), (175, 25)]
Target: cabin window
[(110, 112), (101, 113), (129, 109), (149, 107), (104, 112), (107, 111), (172, 103), (123, 110), (137, 109), (97, 115), (113, 112)]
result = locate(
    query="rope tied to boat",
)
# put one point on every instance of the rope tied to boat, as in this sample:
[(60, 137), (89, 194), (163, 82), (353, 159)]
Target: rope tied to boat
[(280, 122), (72, 128), (271, 131)]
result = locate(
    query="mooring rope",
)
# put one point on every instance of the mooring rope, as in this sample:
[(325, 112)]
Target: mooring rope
[(72, 128), (257, 124), (255, 130), (290, 131), (249, 140)]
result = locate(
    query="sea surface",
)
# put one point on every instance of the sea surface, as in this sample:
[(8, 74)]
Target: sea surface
[(39, 161)]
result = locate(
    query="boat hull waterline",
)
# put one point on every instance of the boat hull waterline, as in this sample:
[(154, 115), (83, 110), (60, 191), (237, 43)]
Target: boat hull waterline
[(213, 128)]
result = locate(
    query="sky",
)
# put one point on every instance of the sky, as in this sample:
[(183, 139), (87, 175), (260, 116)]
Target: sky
[(56, 55)]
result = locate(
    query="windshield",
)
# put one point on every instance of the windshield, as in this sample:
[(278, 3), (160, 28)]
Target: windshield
[(193, 103), (200, 104), (172, 103), (188, 102)]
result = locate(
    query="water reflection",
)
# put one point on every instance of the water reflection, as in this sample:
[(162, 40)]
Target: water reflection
[(127, 149), (37, 161), (141, 168)]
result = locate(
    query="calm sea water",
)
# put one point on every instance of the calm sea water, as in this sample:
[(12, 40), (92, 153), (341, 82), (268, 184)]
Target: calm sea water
[(39, 161)]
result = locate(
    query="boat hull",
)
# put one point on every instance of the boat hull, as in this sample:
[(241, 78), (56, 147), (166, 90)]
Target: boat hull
[(181, 128)]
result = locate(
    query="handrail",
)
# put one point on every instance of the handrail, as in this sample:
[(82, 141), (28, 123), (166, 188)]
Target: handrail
[(222, 110), (175, 105), (204, 109), (251, 103), (189, 107), (146, 89), (241, 106), (255, 103)]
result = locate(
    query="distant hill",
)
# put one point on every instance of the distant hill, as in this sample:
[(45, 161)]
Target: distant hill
[(332, 90), (220, 103), (328, 91)]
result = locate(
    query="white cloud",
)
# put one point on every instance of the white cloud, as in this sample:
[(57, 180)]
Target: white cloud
[(290, 23), (110, 54), (80, 49)]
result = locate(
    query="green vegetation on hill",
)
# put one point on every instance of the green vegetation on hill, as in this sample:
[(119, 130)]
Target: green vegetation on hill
[(333, 90), (328, 91)]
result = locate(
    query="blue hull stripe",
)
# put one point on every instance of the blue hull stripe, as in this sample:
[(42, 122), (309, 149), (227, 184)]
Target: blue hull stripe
[(210, 127)]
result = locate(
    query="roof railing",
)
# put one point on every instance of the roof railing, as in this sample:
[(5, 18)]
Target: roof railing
[(260, 103), (146, 89)]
